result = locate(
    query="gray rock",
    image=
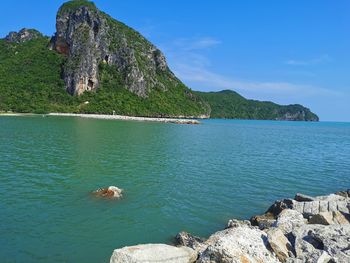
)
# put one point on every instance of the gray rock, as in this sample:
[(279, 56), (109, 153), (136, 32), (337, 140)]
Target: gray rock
[(263, 221), (288, 220), (237, 223), (312, 241), (188, 240), (153, 253), (237, 244), (280, 205)]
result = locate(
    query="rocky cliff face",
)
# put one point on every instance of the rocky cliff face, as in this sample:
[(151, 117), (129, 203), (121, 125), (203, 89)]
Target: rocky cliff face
[(88, 37)]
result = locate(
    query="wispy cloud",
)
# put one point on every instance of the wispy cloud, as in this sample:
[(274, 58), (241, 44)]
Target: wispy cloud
[(215, 81), (192, 44), (192, 65), (314, 61)]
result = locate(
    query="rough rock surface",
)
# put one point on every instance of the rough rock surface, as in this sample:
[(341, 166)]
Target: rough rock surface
[(288, 220), (153, 253), (279, 244), (330, 218), (23, 35), (241, 243), (188, 240), (312, 241), (89, 37), (294, 237)]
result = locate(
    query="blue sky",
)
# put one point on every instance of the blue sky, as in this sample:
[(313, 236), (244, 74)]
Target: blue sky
[(289, 51)]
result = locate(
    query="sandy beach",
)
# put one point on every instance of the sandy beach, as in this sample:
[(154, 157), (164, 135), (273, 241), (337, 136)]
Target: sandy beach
[(127, 118)]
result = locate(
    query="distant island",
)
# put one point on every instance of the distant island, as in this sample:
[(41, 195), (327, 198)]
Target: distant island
[(95, 64)]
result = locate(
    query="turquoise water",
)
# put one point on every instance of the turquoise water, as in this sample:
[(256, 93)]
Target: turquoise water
[(176, 177)]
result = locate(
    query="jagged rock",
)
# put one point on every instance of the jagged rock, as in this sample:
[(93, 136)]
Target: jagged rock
[(111, 192), (280, 205), (89, 38), (23, 35), (279, 244), (323, 218), (344, 193), (263, 221), (237, 223), (237, 244), (188, 240), (153, 253), (312, 241), (288, 220), (303, 198)]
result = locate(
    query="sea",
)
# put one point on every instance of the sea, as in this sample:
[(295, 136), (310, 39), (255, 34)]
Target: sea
[(175, 178)]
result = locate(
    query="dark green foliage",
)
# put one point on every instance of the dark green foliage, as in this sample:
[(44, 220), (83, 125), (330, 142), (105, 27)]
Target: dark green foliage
[(229, 104), (112, 96), (30, 81), (75, 4)]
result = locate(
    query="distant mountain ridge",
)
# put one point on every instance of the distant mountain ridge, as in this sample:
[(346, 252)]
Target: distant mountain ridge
[(95, 64), (230, 105)]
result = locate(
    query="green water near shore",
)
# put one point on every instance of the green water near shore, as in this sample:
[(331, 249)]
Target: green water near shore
[(176, 177)]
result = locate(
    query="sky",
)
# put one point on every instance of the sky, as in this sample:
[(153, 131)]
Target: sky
[(288, 52)]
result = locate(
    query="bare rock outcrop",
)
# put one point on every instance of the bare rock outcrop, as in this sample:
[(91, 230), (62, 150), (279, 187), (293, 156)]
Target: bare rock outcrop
[(241, 243), (90, 38)]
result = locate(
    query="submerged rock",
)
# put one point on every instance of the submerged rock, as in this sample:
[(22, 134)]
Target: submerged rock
[(110, 192), (153, 253)]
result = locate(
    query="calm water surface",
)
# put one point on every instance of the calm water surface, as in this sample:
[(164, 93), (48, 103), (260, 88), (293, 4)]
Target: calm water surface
[(176, 177)]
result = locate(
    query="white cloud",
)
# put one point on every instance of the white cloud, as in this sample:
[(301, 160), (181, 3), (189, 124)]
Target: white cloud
[(314, 61)]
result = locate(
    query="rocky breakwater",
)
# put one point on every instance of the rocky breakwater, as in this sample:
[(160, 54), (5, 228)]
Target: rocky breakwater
[(303, 229)]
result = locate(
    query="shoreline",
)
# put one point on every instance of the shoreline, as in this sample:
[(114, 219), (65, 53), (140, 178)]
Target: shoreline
[(181, 120), (292, 230), (126, 118)]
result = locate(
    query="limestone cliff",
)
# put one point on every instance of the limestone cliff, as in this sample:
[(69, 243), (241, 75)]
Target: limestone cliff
[(89, 37)]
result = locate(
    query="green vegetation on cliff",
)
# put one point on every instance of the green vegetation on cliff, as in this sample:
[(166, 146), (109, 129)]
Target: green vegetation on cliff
[(230, 105), (30, 81)]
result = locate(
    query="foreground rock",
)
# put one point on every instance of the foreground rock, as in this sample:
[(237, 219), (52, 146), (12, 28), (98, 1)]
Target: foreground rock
[(154, 253), (241, 243), (110, 192), (304, 229), (318, 243)]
